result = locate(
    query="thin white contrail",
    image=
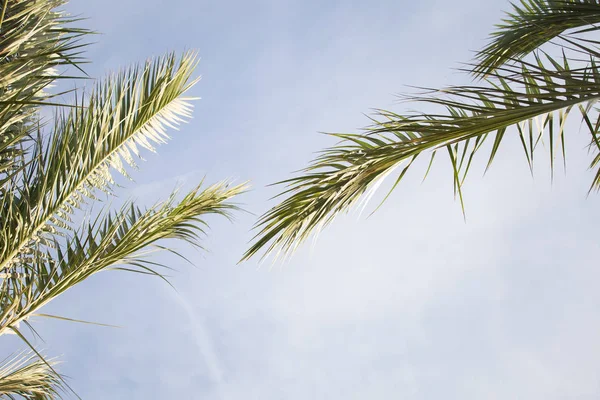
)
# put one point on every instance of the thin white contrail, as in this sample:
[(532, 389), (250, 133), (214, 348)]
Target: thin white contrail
[(204, 344)]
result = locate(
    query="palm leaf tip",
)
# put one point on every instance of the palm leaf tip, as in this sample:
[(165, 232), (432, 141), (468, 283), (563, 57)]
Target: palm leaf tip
[(27, 376), (332, 184), (531, 24)]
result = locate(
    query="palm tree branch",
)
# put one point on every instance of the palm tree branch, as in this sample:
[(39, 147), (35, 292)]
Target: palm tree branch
[(125, 111), (120, 238), (516, 96)]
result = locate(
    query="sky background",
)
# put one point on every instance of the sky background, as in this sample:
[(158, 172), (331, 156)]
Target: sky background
[(411, 303)]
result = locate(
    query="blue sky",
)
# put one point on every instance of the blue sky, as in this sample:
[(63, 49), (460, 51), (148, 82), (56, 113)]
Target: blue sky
[(410, 303)]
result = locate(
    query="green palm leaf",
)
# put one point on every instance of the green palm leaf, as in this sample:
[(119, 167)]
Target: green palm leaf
[(533, 98), (26, 376), (127, 112), (35, 39), (532, 24), (120, 240)]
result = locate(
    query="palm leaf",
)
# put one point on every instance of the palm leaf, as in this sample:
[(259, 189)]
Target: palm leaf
[(125, 113), (532, 24), (529, 96), (26, 376), (120, 240), (35, 40)]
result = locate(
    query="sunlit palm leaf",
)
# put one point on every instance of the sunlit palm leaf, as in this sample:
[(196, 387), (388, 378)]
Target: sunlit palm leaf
[(126, 113), (35, 39), (118, 241), (24, 375), (529, 96)]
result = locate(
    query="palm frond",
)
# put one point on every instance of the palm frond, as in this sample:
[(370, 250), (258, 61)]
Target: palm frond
[(46, 175), (120, 240), (533, 23), (24, 375), (36, 38), (529, 96), (126, 112)]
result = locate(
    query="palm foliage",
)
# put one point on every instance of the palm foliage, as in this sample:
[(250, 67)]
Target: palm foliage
[(118, 240), (50, 173), (35, 40), (525, 91), (24, 375)]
